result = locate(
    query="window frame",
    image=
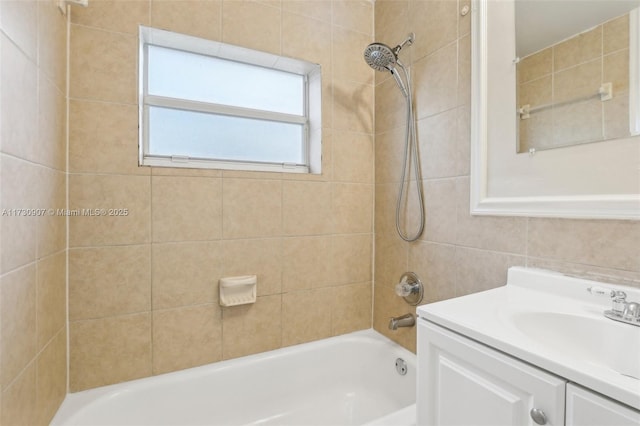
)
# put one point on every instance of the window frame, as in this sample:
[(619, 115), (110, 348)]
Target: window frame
[(310, 122)]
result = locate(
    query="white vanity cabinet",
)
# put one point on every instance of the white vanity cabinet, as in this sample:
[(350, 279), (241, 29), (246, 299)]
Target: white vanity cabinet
[(587, 408), (462, 382)]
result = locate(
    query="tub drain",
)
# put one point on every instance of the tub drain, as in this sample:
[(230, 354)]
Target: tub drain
[(401, 366)]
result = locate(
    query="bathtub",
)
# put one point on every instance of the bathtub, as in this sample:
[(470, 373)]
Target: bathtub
[(345, 380)]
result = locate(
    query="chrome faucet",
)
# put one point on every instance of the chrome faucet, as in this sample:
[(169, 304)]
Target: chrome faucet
[(408, 320), (621, 310)]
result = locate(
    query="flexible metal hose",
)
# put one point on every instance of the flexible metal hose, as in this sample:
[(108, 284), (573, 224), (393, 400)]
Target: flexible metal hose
[(411, 144)]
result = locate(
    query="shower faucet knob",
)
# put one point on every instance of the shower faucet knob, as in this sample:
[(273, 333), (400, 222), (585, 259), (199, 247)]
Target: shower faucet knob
[(410, 288)]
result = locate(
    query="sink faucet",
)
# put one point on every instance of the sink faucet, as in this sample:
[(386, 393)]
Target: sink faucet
[(621, 310), (408, 320)]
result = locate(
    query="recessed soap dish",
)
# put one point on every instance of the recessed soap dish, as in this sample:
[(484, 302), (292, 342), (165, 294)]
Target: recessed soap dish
[(238, 290)]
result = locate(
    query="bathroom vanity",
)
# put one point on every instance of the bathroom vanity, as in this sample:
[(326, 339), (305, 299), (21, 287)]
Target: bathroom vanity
[(538, 350)]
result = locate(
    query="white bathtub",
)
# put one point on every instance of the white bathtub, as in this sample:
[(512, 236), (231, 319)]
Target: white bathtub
[(344, 380)]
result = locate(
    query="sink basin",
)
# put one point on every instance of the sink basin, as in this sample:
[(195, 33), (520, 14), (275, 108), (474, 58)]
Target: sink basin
[(601, 342), (554, 322)]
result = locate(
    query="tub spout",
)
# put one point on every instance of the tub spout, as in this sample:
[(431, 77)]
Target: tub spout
[(408, 320)]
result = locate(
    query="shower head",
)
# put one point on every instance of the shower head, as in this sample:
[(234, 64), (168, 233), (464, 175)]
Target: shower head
[(381, 57)]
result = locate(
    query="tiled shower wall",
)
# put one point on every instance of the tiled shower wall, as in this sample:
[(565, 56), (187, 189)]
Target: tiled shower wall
[(33, 349), (459, 253), (143, 287)]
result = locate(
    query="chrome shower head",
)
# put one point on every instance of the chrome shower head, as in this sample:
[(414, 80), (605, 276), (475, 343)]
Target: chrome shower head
[(381, 57)]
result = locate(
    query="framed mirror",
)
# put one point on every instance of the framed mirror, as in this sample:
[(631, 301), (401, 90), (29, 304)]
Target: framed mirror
[(586, 174)]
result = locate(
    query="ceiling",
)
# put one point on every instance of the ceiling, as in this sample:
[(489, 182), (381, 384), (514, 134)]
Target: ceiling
[(541, 23)]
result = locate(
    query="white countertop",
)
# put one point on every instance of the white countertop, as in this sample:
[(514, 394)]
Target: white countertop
[(536, 299)]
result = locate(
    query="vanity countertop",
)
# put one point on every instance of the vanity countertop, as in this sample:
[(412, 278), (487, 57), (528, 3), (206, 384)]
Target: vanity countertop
[(553, 322)]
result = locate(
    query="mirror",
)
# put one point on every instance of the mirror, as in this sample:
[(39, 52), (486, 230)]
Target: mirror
[(573, 76), (579, 180)]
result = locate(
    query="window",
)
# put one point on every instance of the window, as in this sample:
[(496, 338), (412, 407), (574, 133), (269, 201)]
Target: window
[(206, 104)]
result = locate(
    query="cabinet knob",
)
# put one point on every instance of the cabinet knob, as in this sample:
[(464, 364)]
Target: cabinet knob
[(538, 416)]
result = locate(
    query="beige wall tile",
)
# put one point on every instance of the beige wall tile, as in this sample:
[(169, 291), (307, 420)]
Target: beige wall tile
[(52, 143), (435, 25), (479, 270), (435, 85), (463, 140), (351, 258), (351, 204), (109, 350), (51, 377), (19, 405), (615, 34), (307, 39), (249, 329), (611, 244), (317, 9), (441, 211), (103, 138), (352, 106), (535, 92), (261, 257), (356, 15), (616, 117), (577, 82), (51, 290), (392, 259), (390, 107), (185, 273), (389, 155), (535, 66), (581, 48), (464, 70), (19, 21), (589, 272), (306, 315), (200, 18), (103, 66), (306, 208), (351, 308), (186, 208), (253, 208), (186, 337), (121, 16), (18, 322), (353, 157), (52, 43), (19, 96), (264, 21), (437, 147), (616, 71), (109, 192), (506, 234), (109, 281), (464, 22), (577, 122), (385, 209), (18, 232), (391, 27), (435, 265), (537, 131), (348, 62), (306, 262), (51, 228)]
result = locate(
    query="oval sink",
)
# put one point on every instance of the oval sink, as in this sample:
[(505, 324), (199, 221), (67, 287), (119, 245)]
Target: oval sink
[(601, 342)]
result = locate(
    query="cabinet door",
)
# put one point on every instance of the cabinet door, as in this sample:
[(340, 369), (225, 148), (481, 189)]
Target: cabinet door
[(587, 408), (463, 382)]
